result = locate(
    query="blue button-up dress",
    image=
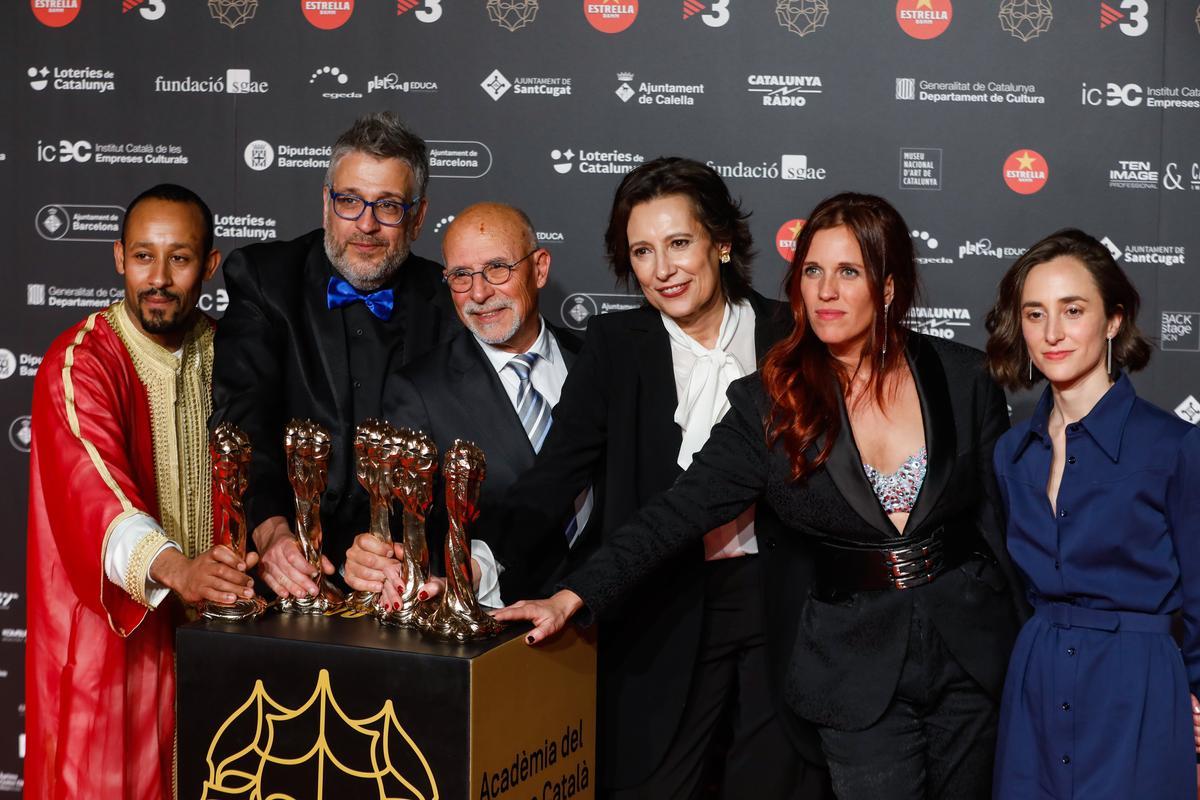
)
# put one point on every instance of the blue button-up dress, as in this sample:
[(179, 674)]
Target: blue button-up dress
[(1096, 701)]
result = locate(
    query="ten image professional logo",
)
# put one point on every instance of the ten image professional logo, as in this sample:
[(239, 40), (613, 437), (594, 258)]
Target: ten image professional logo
[(232, 13), (1026, 19), (924, 19), (1133, 16), (55, 13), (512, 15), (1026, 172), (785, 239), (613, 16), (802, 17), (151, 10), (427, 10), (327, 14), (714, 13)]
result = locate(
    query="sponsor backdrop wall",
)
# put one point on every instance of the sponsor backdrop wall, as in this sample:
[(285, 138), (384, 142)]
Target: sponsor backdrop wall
[(988, 123)]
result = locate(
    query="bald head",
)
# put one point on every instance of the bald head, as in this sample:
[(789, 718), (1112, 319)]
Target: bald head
[(493, 236)]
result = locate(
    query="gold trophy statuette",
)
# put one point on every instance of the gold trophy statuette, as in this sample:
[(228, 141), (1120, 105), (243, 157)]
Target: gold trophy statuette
[(376, 455), (307, 445), (230, 451), (459, 615), (413, 487)]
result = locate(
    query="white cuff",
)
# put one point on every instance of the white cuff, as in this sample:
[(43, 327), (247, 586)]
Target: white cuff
[(489, 574), (122, 543)]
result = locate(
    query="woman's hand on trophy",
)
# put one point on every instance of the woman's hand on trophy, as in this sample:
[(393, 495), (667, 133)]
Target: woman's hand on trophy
[(282, 566), (370, 562), (548, 616), (216, 575)]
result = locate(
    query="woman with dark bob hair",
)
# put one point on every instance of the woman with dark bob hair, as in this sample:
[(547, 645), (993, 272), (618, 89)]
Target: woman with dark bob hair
[(869, 446), (1102, 493), (690, 652)]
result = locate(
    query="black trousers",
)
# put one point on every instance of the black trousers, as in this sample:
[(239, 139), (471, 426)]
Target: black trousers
[(937, 739), (730, 683)]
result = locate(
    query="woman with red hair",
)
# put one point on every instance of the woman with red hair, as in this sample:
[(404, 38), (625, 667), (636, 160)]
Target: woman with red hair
[(872, 444)]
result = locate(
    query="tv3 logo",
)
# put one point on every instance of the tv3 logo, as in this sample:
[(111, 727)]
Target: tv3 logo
[(431, 10), (1133, 15), (149, 9), (717, 15)]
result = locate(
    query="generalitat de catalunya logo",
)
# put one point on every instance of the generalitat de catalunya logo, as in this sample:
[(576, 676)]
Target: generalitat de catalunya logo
[(612, 16), (1026, 171), (924, 19)]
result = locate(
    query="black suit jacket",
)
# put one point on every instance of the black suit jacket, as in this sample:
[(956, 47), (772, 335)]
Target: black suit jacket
[(453, 392), (844, 657), (614, 429), (280, 353)]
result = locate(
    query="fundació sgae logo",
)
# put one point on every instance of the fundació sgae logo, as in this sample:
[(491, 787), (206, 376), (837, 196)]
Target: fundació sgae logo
[(610, 16), (924, 19), (1025, 171), (55, 13), (327, 14), (785, 238)]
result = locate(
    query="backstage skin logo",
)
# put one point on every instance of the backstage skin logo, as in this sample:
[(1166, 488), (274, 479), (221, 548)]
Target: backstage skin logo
[(714, 13), (151, 10), (1026, 172), (1133, 16), (427, 10), (1026, 19), (802, 17), (790, 91), (55, 13), (20, 433), (1180, 331), (924, 19), (610, 16), (232, 13), (785, 239), (327, 14), (512, 15), (71, 79)]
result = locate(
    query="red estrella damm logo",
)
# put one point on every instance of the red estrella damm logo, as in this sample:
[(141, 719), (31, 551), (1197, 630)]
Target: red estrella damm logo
[(55, 13), (610, 16), (785, 238), (1025, 171), (924, 19), (327, 14)]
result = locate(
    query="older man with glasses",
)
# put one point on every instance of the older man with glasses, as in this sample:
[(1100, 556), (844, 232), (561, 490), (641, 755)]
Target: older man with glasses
[(495, 383), (312, 325)]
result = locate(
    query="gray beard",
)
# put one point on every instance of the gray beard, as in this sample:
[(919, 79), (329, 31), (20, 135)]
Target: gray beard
[(369, 279), (470, 308)]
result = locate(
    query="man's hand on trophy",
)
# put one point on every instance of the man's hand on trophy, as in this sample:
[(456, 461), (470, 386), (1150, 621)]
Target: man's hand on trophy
[(282, 565), (548, 616), (216, 575), (370, 562)]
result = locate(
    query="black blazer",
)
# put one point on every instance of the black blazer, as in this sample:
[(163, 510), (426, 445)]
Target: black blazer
[(280, 353), (845, 657), (614, 429), (453, 393)]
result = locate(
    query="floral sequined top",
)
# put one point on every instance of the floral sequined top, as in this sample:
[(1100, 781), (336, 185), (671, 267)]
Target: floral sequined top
[(897, 491)]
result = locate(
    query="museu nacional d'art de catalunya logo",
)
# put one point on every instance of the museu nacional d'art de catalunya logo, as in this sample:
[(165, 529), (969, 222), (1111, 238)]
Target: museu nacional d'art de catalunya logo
[(1025, 171), (924, 19)]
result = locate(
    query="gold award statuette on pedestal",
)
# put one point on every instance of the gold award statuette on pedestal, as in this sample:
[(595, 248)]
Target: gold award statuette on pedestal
[(230, 450), (376, 454), (413, 487), (307, 445), (459, 615)]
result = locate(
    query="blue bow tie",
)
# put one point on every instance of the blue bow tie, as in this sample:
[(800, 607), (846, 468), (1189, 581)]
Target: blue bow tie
[(341, 293)]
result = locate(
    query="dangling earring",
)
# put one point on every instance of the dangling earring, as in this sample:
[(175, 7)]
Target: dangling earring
[(724, 256), (883, 355), (1031, 369), (1108, 359)]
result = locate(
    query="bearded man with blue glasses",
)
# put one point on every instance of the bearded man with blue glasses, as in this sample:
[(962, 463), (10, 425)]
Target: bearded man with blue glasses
[(313, 323)]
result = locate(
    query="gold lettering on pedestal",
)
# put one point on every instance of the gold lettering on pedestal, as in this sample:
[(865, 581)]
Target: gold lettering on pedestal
[(237, 766)]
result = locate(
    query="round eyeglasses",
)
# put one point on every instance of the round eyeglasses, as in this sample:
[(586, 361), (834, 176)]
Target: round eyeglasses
[(387, 212), (460, 280)]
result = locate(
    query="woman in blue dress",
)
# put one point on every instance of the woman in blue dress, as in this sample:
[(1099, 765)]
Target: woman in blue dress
[(1102, 491)]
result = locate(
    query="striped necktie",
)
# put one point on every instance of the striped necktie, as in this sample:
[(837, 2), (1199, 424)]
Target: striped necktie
[(532, 408)]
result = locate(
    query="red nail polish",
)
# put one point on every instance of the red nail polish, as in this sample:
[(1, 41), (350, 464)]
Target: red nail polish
[(422, 596)]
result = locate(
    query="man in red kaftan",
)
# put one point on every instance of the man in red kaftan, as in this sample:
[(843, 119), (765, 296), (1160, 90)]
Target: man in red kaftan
[(120, 515)]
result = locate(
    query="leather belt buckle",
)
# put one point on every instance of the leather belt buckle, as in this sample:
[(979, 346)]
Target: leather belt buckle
[(914, 565)]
